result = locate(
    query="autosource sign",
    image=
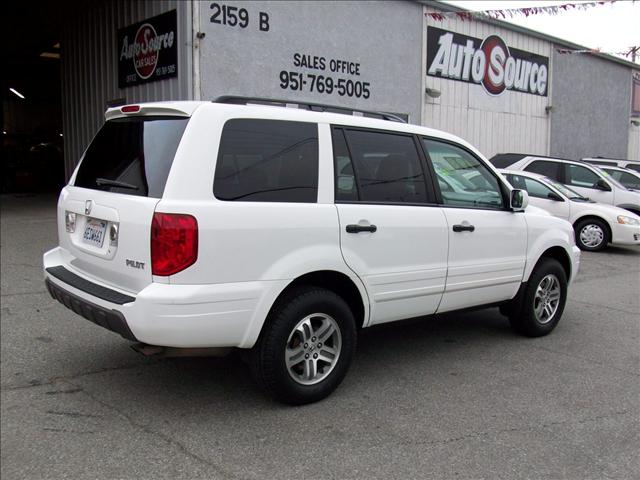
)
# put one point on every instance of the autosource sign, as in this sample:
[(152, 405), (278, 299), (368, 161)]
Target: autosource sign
[(489, 62), (148, 50)]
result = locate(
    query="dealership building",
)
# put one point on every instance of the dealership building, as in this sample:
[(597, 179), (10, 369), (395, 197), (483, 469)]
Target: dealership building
[(501, 87)]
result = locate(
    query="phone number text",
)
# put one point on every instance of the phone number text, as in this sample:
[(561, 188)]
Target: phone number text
[(344, 87)]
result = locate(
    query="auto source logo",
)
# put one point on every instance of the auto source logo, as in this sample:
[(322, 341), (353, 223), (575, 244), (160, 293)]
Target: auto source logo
[(489, 62), (148, 50)]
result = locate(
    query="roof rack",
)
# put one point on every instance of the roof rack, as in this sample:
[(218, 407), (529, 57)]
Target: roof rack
[(315, 107)]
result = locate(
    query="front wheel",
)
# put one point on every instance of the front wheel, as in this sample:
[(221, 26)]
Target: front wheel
[(543, 300), (306, 347), (591, 234)]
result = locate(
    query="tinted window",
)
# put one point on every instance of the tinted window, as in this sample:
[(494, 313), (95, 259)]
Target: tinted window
[(346, 188), (533, 187), (137, 152), (626, 179), (267, 161), (464, 180), (579, 176), (548, 169), (633, 166), (387, 168)]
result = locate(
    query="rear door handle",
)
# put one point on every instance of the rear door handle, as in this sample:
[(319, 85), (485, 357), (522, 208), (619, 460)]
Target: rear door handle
[(361, 228), (463, 228)]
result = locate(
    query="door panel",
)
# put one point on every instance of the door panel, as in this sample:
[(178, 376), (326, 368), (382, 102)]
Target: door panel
[(487, 264), (487, 243), (403, 264)]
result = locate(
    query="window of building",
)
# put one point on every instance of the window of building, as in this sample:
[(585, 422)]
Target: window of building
[(267, 161), (385, 167), (463, 179)]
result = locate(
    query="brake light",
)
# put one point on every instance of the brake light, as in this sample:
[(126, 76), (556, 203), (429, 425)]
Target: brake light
[(174, 243), (130, 109)]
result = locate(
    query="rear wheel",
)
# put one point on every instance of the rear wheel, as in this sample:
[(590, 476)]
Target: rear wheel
[(543, 300), (592, 234), (306, 347)]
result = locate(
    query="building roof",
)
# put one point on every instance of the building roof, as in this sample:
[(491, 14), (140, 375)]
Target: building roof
[(437, 5)]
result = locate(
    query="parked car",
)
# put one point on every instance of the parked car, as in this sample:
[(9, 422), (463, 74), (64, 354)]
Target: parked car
[(600, 161), (586, 179), (628, 178), (284, 231), (595, 224)]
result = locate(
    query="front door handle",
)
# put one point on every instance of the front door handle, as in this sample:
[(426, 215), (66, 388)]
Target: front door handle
[(463, 228), (361, 228)]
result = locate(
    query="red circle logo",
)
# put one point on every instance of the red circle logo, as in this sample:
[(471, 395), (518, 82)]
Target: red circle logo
[(493, 80), (146, 54)]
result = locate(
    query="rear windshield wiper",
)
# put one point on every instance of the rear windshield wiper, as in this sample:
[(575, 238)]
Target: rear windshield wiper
[(114, 183)]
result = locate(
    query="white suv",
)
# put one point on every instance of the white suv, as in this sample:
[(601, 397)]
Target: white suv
[(285, 231), (586, 179)]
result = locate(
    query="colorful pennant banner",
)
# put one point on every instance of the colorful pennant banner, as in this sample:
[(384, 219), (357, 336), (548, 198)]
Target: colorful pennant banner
[(626, 53), (512, 12)]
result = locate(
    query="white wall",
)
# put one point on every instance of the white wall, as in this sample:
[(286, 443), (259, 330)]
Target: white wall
[(511, 122), (634, 142)]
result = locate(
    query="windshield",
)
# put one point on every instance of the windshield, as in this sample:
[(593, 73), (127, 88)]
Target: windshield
[(563, 189), (132, 155)]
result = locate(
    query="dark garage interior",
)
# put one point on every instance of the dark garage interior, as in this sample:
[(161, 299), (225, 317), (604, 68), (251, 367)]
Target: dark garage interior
[(32, 137)]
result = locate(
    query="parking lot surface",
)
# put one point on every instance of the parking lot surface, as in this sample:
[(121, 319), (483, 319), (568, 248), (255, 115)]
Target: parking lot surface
[(455, 396)]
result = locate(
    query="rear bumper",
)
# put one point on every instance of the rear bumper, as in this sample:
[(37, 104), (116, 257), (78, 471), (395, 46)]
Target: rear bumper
[(220, 315), (109, 319)]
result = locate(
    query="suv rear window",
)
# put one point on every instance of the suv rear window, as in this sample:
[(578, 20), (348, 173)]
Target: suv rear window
[(267, 161), (132, 155)]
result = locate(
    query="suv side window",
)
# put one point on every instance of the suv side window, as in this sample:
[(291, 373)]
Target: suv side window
[(579, 176), (627, 179), (543, 167), (464, 181), (267, 161), (384, 167)]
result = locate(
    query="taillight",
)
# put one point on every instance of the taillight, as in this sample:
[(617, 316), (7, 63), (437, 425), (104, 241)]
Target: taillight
[(174, 243), (130, 109)]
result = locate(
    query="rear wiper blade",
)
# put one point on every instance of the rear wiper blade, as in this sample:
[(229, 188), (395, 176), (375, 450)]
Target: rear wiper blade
[(114, 183)]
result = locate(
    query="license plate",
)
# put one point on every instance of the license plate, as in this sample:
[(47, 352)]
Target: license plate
[(94, 232)]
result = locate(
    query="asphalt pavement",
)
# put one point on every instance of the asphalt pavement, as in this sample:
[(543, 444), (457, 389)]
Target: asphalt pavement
[(453, 397)]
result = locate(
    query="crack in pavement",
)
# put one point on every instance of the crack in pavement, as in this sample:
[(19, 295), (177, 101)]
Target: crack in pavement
[(155, 433), (51, 381), (606, 307), (588, 360), (23, 293), (511, 430)]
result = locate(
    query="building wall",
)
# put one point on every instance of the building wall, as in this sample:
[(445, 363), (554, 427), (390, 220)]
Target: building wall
[(383, 38), (511, 122), (90, 66), (591, 107)]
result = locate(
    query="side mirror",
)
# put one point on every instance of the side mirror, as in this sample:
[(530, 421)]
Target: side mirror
[(602, 185), (554, 196), (519, 200)]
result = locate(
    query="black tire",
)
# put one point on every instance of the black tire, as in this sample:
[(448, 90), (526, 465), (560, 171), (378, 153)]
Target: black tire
[(267, 360), (523, 316), (597, 226)]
